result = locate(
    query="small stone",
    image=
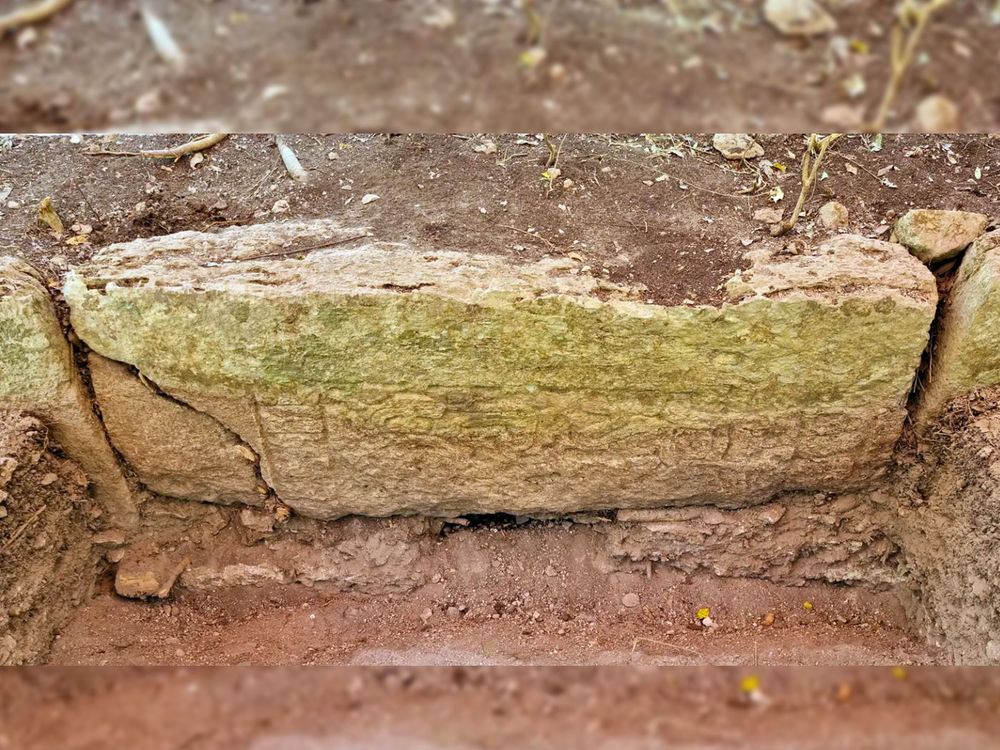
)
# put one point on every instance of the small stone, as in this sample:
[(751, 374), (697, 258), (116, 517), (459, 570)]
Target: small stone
[(768, 215), (280, 206), (834, 215), (551, 572), (737, 146), (937, 114), (768, 620), (934, 236), (630, 600), (453, 613), (426, 615), (799, 17), (48, 479)]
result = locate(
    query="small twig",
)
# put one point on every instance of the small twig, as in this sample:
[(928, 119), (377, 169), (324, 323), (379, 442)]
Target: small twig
[(530, 234), (31, 14), (914, 16), (297, 250), (198, 144), (24, 527)]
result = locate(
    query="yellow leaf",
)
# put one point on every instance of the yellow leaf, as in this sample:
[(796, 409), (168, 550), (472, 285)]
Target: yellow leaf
[(702, 613), (779, 166), (860, 46), (750, 684), (47, 215), (78, 239), (807, 605), (899, 673), (532, 58)]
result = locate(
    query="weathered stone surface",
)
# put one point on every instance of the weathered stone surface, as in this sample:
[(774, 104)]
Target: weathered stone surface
[(938, 235), (737, 146), (834, 215), (797, 539), (967, 352), (799, 17), (37, 374), (383, 379), (173, 449)]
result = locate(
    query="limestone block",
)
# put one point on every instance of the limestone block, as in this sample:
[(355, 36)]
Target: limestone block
[(934, 236), (967, 351), (38, 375), (388, 379), (173, 449)]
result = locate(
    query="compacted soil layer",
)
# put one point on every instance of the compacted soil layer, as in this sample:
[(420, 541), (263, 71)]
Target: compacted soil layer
[(452, 65), (667, 212), (466, 709)]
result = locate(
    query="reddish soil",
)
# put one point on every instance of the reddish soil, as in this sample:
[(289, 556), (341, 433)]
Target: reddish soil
[(665, 211), (475, 709), (455, 65)]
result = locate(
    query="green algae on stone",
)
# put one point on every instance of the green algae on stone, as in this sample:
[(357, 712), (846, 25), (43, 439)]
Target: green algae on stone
[(967, 355), (385, 379)]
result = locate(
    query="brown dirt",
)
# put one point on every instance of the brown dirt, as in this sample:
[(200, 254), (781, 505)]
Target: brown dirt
[(495, 592), (45, 562), (475, 709), (616, 65), (681, 236)]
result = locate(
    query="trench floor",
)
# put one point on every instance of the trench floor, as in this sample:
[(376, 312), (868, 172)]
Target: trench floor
[(494, 623)]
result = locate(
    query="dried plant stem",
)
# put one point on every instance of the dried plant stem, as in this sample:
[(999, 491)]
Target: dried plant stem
[(812, 161), (33, 13), (914, 16)]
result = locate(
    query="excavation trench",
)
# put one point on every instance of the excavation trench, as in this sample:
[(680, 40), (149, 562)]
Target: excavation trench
[(395, 455)]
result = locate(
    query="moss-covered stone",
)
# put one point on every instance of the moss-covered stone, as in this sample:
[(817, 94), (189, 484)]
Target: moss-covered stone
[(967, 353), (384, 379), (37, 374)]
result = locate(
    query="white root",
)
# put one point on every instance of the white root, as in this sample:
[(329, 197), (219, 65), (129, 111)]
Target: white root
[(164, 42), (290, 160), (29, 14)]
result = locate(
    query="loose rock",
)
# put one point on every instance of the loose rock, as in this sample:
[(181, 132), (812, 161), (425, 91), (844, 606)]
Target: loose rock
[(934, 236), (799, 17), (834, 215), (737, 146)]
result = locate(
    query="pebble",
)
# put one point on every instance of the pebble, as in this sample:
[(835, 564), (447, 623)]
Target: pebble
[(799, 17), (834, 215), (737, 146), (630, 600)]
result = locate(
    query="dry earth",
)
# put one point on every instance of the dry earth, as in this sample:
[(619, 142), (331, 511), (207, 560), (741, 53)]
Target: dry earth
[(475, 709), (342, 65)]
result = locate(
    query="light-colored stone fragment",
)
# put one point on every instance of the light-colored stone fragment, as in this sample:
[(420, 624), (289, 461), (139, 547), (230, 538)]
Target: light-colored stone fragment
[(834, 215), (174, 450), (938, 114), (737, 146), (38, 375), (934, 236), (967, 354), (388, 379), (799, 17)]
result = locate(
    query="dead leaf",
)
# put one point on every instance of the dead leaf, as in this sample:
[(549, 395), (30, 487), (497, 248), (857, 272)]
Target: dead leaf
[(48, 216)]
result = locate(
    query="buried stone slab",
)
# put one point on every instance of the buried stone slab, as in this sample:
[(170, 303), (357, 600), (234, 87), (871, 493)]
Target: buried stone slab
[(38, 375), (174, 450), (967, 350), (382, 379)]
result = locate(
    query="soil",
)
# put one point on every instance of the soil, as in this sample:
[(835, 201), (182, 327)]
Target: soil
[(499, 596), (667, 212), (46, 565), (609, 65), (470, 709)]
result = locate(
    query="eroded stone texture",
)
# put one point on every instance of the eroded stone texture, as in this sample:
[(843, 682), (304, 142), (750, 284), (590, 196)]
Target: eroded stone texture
[(173, 449), (37, 374), (934, 236), (967, 351), (794, 540), (384, 379)]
